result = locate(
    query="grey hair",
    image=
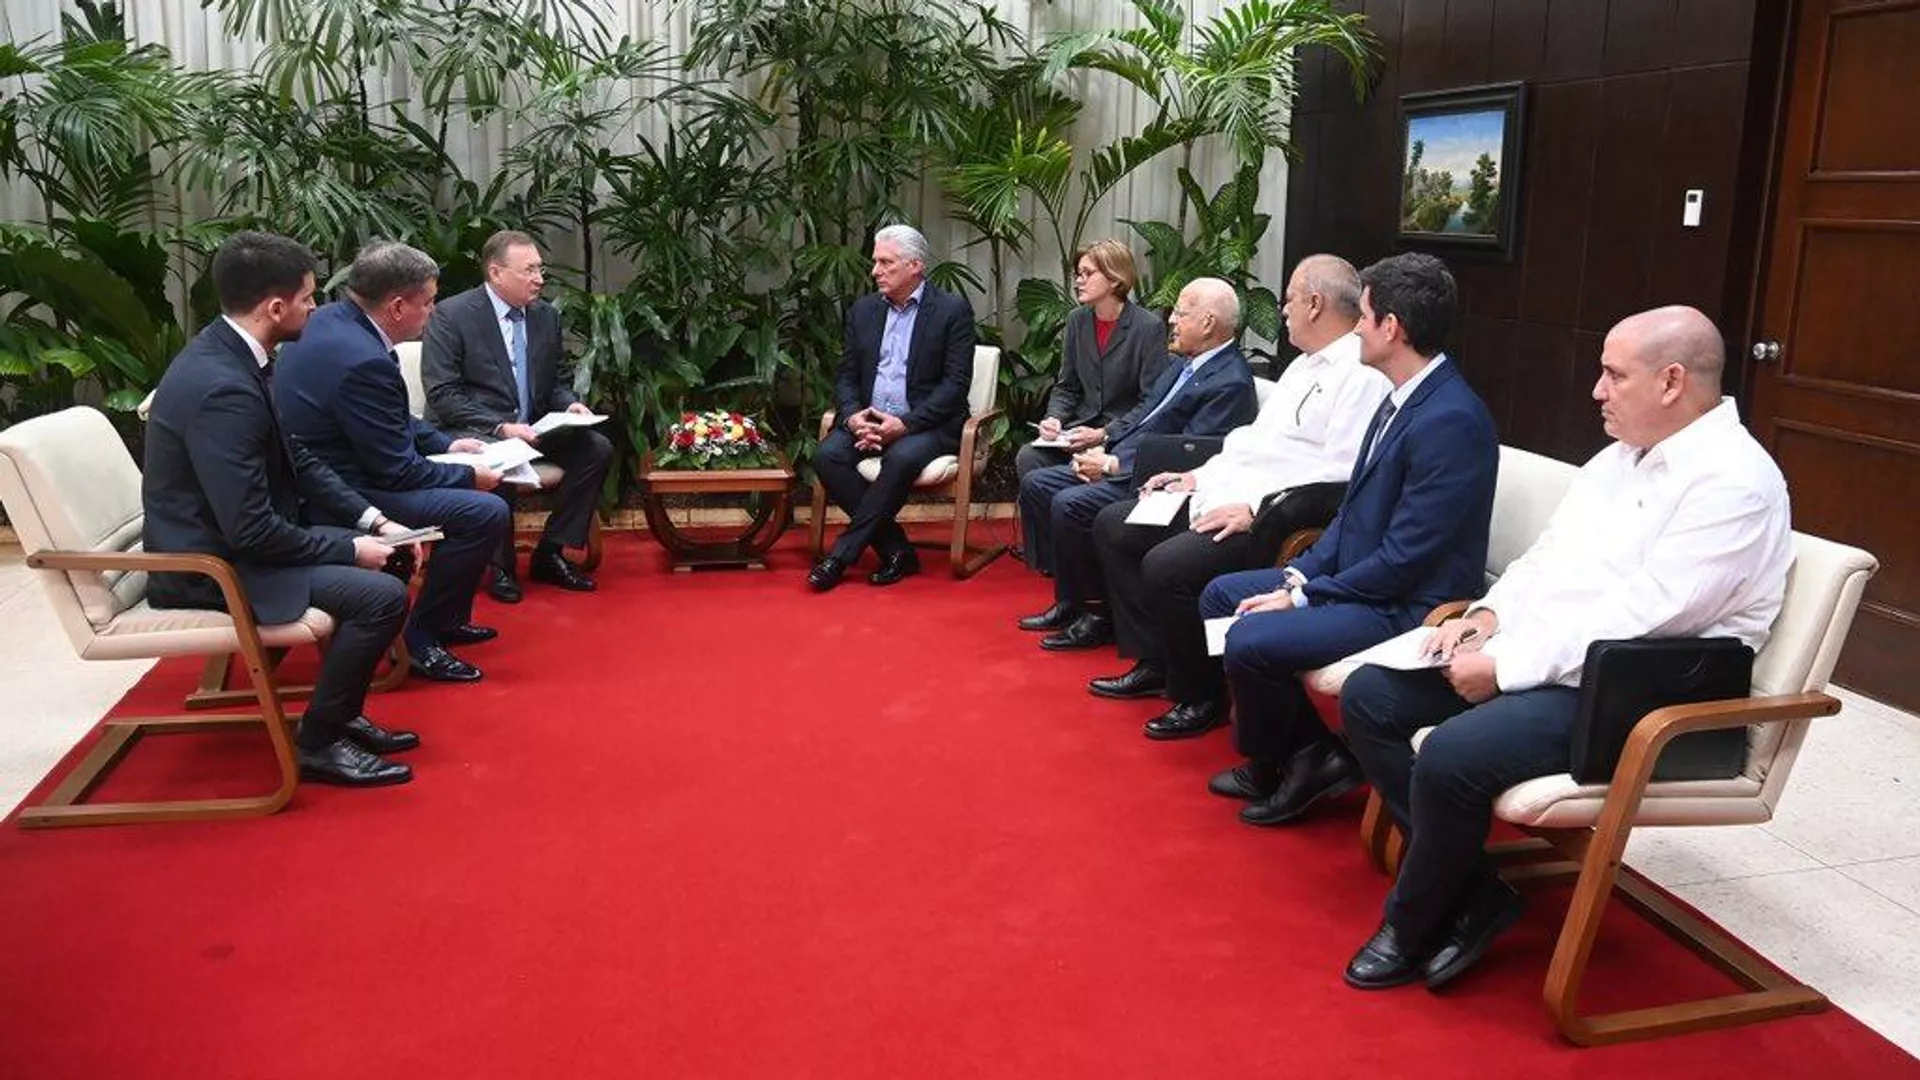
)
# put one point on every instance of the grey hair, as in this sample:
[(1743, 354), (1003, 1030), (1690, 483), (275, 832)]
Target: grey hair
[(1217, 297), (386, 268), (1334, 278), (909, 240)]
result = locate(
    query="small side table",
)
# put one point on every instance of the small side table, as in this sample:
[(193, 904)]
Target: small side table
[(768, 520)]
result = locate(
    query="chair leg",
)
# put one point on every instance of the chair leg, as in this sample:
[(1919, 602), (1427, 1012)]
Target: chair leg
[(1376, 827), (64, 806), (1770, 993), (217, 690), (595, 544), (964, 560), (817, 524)]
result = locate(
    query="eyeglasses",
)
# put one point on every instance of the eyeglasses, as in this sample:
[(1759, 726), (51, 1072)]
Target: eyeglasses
[(1082, 275)]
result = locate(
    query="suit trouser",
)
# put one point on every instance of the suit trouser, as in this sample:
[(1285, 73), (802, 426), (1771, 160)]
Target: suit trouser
[(872, 507), (586, 455), (1033, 457), (1044, 517), (1443, 799), (1272, 715), (476, 524), (368, 608), (1155, 575)]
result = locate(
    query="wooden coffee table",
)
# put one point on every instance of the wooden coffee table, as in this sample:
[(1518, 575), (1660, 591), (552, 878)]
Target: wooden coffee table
[(768, 518)]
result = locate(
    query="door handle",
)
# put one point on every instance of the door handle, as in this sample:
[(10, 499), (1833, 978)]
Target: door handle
[(1766, 352)]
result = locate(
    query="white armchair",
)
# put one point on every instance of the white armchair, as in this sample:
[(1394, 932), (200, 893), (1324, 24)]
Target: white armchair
[(73, 495)]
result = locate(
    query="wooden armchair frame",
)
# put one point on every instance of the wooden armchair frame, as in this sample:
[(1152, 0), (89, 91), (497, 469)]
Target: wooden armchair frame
[(64, 805)]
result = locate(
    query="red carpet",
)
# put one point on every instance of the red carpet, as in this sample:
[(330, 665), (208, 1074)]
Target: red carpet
[(713, 826)]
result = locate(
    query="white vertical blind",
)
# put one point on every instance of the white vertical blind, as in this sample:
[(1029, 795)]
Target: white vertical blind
[(1111, 108)]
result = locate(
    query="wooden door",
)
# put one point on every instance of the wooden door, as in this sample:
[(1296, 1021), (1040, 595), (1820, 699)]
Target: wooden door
[(1837, 355)]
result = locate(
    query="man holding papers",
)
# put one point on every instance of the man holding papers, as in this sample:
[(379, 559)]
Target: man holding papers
[(493, 365), (340, 394), (1207, 391), (1308, 433), (1679, 529), (1411, 533)]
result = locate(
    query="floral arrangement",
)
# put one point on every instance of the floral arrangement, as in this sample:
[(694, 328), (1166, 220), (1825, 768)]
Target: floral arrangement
[(716, 439)]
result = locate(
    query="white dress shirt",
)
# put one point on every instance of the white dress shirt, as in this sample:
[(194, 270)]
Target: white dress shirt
[(1309, 431), (1691, 539)]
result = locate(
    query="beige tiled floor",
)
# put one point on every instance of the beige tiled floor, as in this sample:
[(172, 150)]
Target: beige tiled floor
[(1830, 889)]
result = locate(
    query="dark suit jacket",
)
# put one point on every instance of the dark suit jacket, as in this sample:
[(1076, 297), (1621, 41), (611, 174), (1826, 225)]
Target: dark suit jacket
[(1412, 529), (221, 479), (939, 360), (1098, 387), (1216, 400), (469, 376), (340, 395)]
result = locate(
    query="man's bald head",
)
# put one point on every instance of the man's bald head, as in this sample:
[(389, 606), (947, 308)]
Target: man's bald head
[(1659, 371)]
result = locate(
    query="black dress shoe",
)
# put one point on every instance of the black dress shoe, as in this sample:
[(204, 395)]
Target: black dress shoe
[(1187, 720), (1382, 962), (894, 567), (436, 663), (1255, 781), (1017, 554), (1144, 679), (468, 634), (1058, 617), (342, 763), (502, 587), (826, 573), (1089, 631), (1321, 771), (1495, 906), (375, 739), (552, 568)]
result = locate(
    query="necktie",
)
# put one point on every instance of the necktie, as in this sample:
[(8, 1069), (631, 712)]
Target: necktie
[(518, 353), (1387, 409)]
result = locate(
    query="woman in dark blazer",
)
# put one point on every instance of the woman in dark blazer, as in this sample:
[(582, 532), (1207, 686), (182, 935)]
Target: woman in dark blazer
[(1114, 352)]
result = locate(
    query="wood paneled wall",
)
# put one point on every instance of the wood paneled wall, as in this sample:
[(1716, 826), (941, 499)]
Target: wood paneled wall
[(1630, 103)]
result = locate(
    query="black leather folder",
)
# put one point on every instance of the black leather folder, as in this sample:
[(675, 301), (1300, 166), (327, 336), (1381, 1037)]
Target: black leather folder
[(1625, 680), (1172, 453)]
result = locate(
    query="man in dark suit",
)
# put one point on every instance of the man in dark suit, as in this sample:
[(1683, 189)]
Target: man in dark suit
[(493, 363), (221, 479), (901, 393), (341, 396), (1208, 393), (1411, 533)]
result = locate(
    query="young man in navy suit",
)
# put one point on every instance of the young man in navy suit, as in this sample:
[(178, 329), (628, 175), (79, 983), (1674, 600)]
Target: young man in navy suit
[(1411, 534), (340, 394), (901, 394), (222, 479), (1209, 392)]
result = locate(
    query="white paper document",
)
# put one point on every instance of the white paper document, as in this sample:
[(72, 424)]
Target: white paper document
[(1217, 634), (504, 456), (1408, 652), (424, 535), (1053, 444), (1157, 507), (566, 419)]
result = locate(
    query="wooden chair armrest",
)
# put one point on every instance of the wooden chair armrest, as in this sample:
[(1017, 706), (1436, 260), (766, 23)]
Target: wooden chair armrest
[(1663, 725), (1452, 609), (1297, 541), (220, 570), (826, 423), (970, 432)]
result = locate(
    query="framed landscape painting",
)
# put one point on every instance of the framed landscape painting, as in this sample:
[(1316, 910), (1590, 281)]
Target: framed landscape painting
[(1460, 168)]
